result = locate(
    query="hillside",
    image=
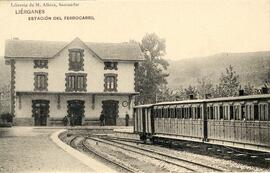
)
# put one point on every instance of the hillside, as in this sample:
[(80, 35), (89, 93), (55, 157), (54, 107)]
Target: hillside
[(250, 66)]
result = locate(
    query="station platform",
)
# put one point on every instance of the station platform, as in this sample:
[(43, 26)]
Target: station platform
[(31, 149)]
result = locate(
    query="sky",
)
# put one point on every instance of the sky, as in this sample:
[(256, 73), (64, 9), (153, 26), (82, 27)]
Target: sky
[(191, 28)]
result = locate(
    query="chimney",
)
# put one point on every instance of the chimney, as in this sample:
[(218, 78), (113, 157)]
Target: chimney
[(241, 92), (264, 90)]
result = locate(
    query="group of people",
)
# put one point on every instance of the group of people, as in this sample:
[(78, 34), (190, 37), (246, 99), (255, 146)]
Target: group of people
[(102, 119), (68, 120)]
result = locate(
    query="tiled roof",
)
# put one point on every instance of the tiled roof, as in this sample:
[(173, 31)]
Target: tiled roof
[(48, 49)]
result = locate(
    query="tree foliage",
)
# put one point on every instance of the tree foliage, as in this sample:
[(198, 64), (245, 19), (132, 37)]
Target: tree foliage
[(228, 84), (151, 74), (191, 90), (204, 87)]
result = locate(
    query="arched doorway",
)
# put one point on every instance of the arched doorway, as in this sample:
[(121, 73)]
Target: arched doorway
[(40, 111), (110, 110), (76, 111)]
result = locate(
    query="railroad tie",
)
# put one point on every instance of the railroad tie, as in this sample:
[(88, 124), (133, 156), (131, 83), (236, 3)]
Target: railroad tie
[(254, 157), (239, 155)]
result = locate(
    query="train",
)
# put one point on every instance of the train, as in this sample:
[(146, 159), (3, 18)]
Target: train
[(241, 122)]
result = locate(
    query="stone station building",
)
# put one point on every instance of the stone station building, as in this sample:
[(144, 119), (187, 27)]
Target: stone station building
[(51, 80)]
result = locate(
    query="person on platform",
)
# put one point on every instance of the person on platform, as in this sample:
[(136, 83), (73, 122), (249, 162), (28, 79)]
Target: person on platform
[(102, 119), (127, 119)]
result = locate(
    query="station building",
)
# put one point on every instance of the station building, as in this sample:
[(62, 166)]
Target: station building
[(51, 80)]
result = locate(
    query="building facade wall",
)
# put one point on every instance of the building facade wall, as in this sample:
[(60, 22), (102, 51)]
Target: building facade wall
[(58, 67)]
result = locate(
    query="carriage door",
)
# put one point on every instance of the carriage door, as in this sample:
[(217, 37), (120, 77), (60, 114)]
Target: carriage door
[(40, 112), (110, 110), (76, 111)]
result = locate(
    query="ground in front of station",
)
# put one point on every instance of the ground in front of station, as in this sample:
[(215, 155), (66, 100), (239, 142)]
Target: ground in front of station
[(30, 149)]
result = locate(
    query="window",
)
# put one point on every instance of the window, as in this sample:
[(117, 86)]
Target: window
[(40, 63), (231, 112), (75, 82), (110, 65), (221, 112), (199, 112), (41, 81), (210, 111), (236, 113), (263, 111), (256, 112), (110, 82), (76, 59), (227, 116), (243, 112)]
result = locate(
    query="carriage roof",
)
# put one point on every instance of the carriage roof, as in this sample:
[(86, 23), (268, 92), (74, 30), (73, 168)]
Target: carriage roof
[(198, 101)]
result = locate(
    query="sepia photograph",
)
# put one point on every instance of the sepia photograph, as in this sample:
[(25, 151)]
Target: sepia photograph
[(140, 86)]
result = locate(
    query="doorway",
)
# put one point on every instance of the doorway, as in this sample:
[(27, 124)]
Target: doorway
[(76, 111), (40, 109), (110, 110)]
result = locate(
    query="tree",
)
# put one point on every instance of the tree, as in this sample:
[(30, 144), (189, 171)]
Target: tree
[(191, 90), (151, 75), (249, 89), (205, 86), (266, 79), (229, 83)]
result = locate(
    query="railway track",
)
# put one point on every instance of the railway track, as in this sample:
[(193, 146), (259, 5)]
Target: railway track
[(186, 164), (84, 147)]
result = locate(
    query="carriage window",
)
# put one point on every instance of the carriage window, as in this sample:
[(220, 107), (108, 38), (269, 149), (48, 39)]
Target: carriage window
[(173, 112), (176, 112), (263, 112), (256, 112), (250, 116), (225, 112), (155, 113), (199, 112), (210, 111), (231, 112), (194, 113), (243, 112), (216, 112), (189, 113), (236, 113), (221, 112), (164, 114), (158, 113)]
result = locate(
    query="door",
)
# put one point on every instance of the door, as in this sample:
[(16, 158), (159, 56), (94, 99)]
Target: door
[(110, 110), (40, 112), (76, 111)]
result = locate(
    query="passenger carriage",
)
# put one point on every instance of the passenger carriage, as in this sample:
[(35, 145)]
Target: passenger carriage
[(179, 120), (241, 122), (143, 120)]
